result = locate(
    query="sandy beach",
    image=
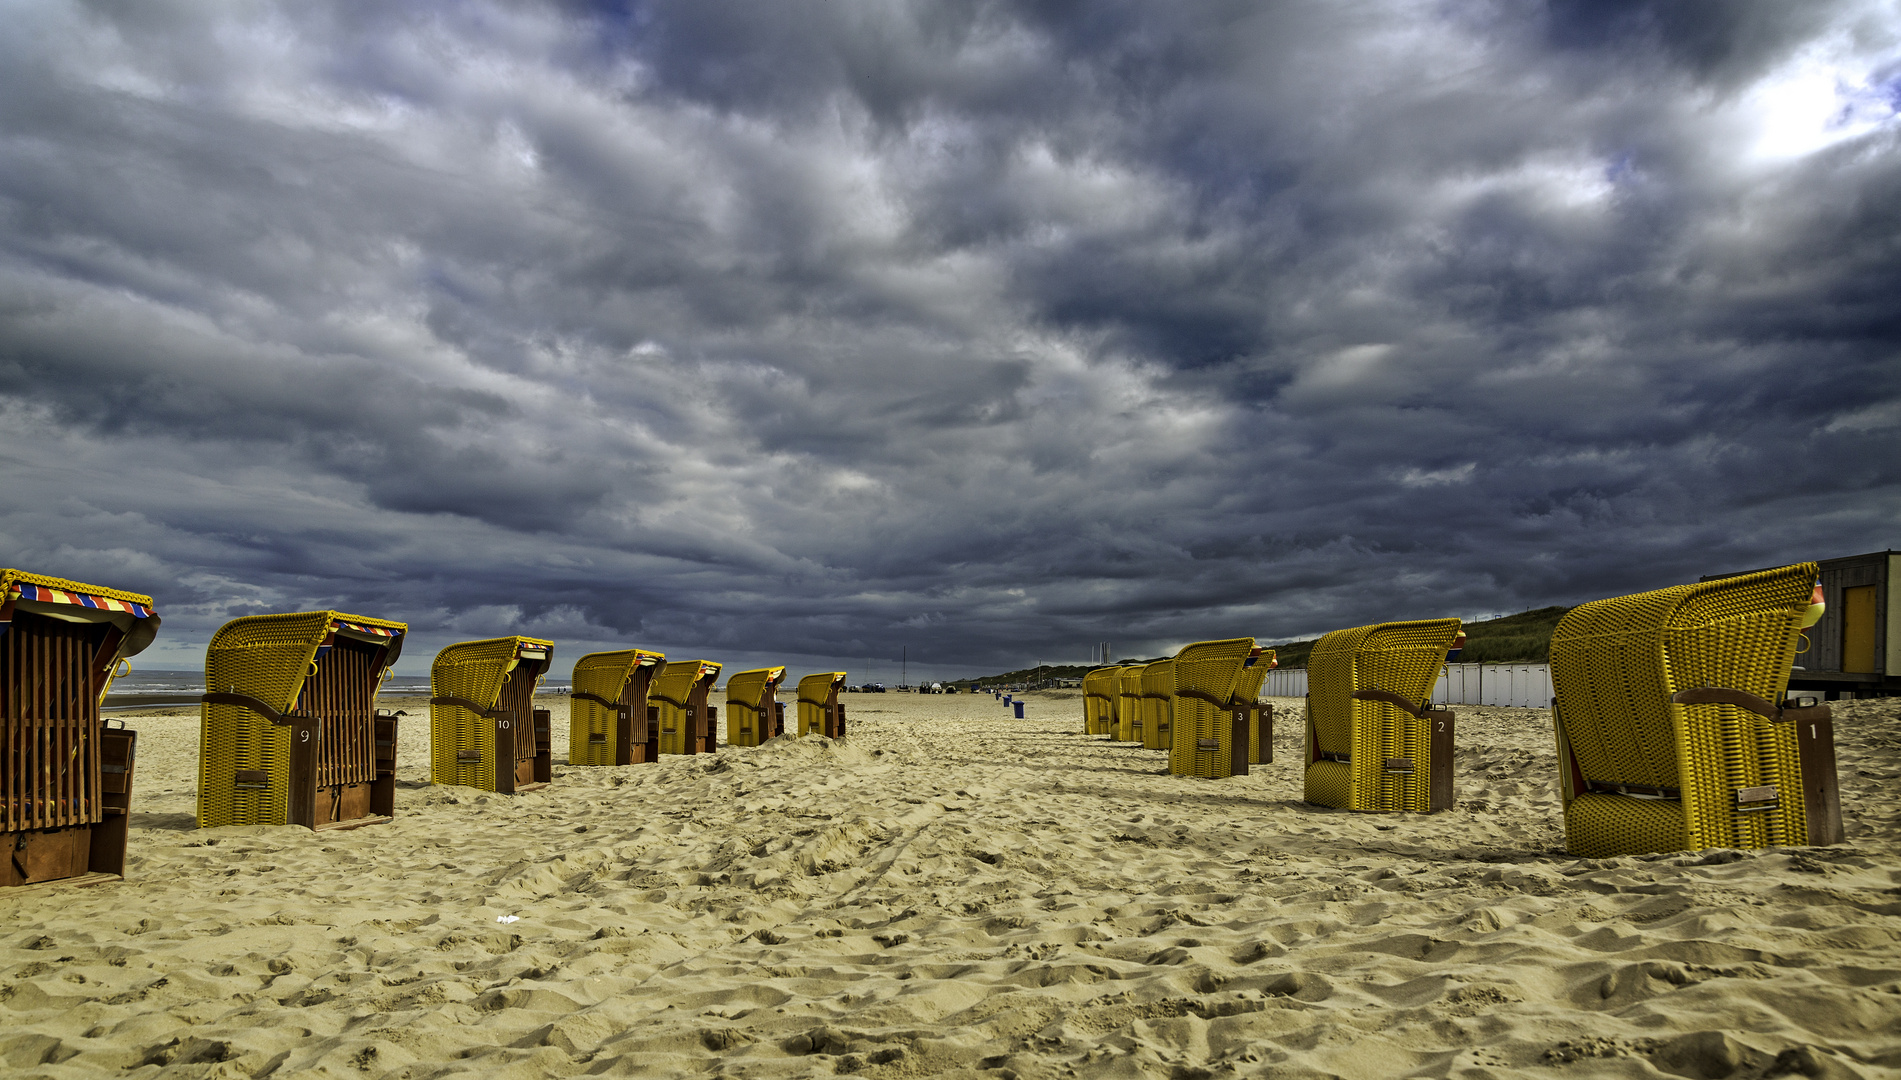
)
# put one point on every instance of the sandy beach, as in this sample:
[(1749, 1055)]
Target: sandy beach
[(952, 892)]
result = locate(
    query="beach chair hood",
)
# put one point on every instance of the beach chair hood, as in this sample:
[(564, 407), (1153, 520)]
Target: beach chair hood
[(75, 601)]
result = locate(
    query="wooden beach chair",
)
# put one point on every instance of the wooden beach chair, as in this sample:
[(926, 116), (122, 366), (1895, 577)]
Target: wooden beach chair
[(608, 714), (1247, 695), (1373, 744), (1129, 703), (1099, 701), (1672, 730), (687, 722), (1210, 732), (484, 729), (65, 776), (289, 731), (753, 710), (820, 711), (1158, 704)]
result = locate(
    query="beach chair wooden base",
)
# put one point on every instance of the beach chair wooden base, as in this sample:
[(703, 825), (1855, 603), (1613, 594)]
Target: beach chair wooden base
[(82, 881), (85, 853), (1821, 797), (531, 773)]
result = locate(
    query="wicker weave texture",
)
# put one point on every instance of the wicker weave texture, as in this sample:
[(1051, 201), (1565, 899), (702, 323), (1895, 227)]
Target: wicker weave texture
[(750, 696), (816, 694), (673, 692), (1158, 703), (606, 674), (1208, 668), (269, 657), (1614, 665), (1403, 658), (476, 670), (1129, 704), (1099, 701)]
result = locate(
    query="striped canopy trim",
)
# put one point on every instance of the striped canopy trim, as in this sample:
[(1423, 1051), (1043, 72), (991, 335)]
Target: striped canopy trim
[(374, 631), (100, 603)]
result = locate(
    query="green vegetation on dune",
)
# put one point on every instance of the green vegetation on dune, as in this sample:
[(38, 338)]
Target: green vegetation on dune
[(1524, 638)]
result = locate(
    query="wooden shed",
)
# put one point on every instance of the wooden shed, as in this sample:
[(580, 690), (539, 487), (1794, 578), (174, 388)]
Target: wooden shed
[(1855, 648)]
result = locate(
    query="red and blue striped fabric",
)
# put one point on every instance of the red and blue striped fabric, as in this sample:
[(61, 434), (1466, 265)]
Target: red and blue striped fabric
[(101, 603), (377, 631)]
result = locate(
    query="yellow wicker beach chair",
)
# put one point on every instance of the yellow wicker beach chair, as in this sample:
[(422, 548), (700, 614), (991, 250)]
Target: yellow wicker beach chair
[(1210, 734), (608, 711), (1099, 701), (687, 722), (753, 711), (1129, 703), (484, 729), (289, 732), (65, 777), (1247, 695), (1372, 742), (1669, 733), (1158, 704), (820, 711)]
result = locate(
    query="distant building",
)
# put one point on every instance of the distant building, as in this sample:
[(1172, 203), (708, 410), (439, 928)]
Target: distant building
[(1855, 648)]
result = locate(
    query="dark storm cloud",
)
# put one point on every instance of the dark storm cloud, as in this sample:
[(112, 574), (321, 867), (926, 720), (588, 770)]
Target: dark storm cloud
[(814, 330)]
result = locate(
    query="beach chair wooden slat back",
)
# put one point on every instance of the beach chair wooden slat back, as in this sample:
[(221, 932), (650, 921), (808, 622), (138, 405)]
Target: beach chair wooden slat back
[(1359, 741), (1669, 776), (518, 697), (342, 695), (49, 696), (1202, 678)]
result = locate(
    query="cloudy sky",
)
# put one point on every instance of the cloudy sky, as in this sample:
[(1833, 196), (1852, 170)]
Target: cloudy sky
[(810, 331)]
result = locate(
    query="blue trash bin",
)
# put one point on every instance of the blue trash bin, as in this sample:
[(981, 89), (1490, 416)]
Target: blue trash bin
[(1019, 706)]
